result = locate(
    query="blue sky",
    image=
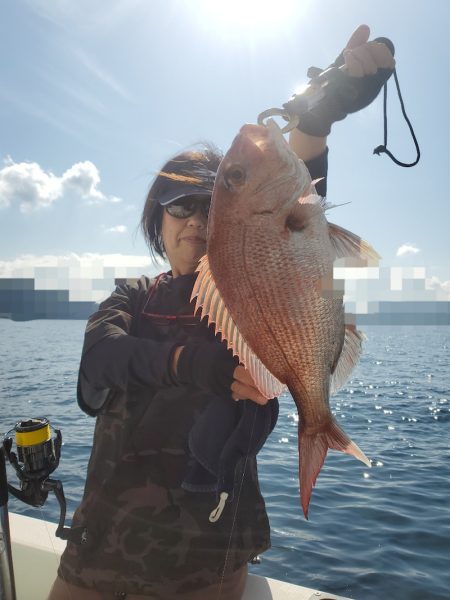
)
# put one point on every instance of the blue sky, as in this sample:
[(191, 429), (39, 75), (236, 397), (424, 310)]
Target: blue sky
[(96, 95)]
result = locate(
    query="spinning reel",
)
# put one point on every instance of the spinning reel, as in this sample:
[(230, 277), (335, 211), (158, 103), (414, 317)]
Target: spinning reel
[(36, 457)]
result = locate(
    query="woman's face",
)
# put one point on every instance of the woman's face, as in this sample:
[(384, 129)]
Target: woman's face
[(184, 241)]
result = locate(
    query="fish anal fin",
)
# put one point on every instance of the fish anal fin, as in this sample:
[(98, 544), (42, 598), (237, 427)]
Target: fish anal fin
[(349, 356), (313, 448), (356, 251), (210, 303)]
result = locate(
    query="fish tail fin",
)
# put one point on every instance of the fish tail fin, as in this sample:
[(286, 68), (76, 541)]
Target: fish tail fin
[(313, 448)]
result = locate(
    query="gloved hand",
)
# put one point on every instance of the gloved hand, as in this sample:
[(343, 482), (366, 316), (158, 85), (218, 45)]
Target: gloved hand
[(207, 365), (349, 84)]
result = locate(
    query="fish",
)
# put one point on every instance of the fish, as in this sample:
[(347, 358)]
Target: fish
[(266, 283)]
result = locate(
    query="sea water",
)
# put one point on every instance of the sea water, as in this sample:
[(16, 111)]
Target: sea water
[(375, 533)]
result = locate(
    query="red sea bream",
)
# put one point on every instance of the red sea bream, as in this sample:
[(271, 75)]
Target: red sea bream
[(267, 284)]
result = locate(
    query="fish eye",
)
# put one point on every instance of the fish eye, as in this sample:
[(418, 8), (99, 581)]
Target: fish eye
[(234, 175)]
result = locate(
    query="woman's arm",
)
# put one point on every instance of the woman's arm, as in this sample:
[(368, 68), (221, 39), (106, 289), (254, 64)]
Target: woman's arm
[(306, 146), (113, 358)]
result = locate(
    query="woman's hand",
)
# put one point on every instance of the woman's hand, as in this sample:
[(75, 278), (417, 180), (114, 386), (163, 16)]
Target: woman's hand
[(363, 57), (244, 387), (239, 380)]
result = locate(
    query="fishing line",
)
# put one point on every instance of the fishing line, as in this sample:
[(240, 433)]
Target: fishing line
[(51, 536), (237, 506)]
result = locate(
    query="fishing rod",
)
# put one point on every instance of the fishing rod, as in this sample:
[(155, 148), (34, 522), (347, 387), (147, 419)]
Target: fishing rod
[(7, 584), (35, 458)]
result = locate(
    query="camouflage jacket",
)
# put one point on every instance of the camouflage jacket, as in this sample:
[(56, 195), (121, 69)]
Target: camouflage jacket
[(144, 533)]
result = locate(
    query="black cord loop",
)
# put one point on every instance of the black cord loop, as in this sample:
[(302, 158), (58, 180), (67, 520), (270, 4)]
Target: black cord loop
[(382, 148)]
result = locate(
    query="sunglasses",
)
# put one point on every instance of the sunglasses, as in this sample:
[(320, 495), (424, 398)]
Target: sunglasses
[(185, 207)]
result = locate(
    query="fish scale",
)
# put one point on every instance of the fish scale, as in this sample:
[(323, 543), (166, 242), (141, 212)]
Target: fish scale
[(275, 307)]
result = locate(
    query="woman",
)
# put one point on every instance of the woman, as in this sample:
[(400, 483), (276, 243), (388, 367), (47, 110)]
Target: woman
[(150, 371)]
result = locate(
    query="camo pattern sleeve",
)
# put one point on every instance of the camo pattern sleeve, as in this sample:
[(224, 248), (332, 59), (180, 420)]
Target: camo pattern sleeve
[(143, 533), (113, 357)]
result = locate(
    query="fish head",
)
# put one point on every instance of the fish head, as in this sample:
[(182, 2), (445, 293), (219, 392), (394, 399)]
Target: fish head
[(259, 174), (263, 186)]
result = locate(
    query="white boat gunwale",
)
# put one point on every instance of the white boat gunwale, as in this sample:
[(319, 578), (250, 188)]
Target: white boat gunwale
[(34, 543)]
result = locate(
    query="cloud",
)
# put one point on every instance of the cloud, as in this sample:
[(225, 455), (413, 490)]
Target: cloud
[(33, 188), (437, 284), (83, 178), (407, 250), (28, 184), (117, 229)]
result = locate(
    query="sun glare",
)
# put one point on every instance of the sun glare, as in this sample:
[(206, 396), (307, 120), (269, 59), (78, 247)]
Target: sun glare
[(233, 17)]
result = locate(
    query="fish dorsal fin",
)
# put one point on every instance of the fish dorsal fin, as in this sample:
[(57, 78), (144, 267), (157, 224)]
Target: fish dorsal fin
[(210, 302), (347, 244), (351, 351)]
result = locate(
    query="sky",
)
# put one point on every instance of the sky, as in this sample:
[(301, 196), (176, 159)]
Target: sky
[(96, 95)]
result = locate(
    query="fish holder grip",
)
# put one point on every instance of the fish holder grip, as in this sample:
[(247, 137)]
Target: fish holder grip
[(326, 99), (332, 94)]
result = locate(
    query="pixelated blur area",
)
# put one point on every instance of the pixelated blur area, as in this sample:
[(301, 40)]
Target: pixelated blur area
[(72, 288), (394, 296), (65, 288)]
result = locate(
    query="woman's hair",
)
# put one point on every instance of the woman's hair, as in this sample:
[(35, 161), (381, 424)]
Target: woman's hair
[(192, 167)]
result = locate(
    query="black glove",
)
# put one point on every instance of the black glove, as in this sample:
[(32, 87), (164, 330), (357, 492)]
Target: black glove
[(207, 365), (339, 95)]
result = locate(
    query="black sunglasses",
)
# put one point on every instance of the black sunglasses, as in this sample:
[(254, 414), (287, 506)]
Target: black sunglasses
[(186, 207)]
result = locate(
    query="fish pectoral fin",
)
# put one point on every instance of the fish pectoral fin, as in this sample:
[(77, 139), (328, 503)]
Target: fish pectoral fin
[(348, 358), (210, 303), (313, 449), (302, 212), (349, 245)]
